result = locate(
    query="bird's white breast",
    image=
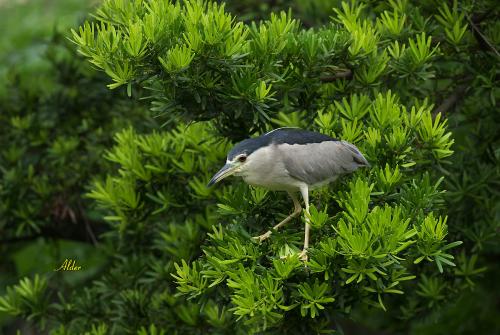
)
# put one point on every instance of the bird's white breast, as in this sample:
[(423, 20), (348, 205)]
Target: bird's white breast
[(265, 168)]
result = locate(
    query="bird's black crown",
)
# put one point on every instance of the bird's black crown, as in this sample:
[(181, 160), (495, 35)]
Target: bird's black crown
[(278, 136)]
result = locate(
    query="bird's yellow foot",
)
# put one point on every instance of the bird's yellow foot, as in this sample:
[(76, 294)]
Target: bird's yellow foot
[(303, 255), (263, 237)]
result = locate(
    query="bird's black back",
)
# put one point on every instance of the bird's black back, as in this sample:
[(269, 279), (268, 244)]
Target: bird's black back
[(278, 136)]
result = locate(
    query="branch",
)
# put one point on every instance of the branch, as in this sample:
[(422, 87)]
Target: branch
[(88, 227), (454, 97), (356, 327), (451, 100), (347, 74), (481, 38), (79, 231), (20, 239)]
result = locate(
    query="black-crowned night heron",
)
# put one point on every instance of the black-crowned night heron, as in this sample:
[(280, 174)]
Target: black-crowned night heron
[(292, 160)]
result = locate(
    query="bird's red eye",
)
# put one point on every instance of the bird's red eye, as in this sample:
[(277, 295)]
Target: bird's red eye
[(242, 159)]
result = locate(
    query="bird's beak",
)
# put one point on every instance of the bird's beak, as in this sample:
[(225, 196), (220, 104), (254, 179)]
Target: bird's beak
[(226, 171)]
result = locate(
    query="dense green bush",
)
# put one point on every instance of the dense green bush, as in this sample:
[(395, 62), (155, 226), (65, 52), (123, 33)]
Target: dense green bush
[(385, 238), (54, 132), (55, 139)]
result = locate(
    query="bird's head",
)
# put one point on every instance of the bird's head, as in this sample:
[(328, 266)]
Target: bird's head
[(233, 166), (238, 160)]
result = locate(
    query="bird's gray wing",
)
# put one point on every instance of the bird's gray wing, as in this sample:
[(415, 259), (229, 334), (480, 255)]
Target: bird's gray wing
[(314, 163)]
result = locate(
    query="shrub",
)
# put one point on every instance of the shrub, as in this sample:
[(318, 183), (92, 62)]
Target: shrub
[(184, 259)]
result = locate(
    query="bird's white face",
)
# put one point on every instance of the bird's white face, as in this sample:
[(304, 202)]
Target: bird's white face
[(240, 162), (236, 167)]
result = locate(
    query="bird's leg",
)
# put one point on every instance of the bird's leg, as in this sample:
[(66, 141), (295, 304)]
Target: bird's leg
[(304, 190), (296, 212)]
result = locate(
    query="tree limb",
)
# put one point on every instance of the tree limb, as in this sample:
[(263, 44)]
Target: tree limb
[(347, 74), (451, 100), (481, 38), (454, 97), (20, 239)]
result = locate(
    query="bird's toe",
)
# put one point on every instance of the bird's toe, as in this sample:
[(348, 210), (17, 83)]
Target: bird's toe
[(303, 255), (263, 237)]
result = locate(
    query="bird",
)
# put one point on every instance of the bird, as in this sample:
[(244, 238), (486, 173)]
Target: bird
[(292, 160)]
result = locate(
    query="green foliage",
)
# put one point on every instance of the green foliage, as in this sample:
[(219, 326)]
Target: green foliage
[(54, 135), (55, 143), (27, 299), (398, 241), (368, 241), (22, 45)]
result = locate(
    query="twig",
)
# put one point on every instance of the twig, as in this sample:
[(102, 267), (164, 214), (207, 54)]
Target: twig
[(347, 74), (88, 228), (451, 100), (20, 239), (481, 38)]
